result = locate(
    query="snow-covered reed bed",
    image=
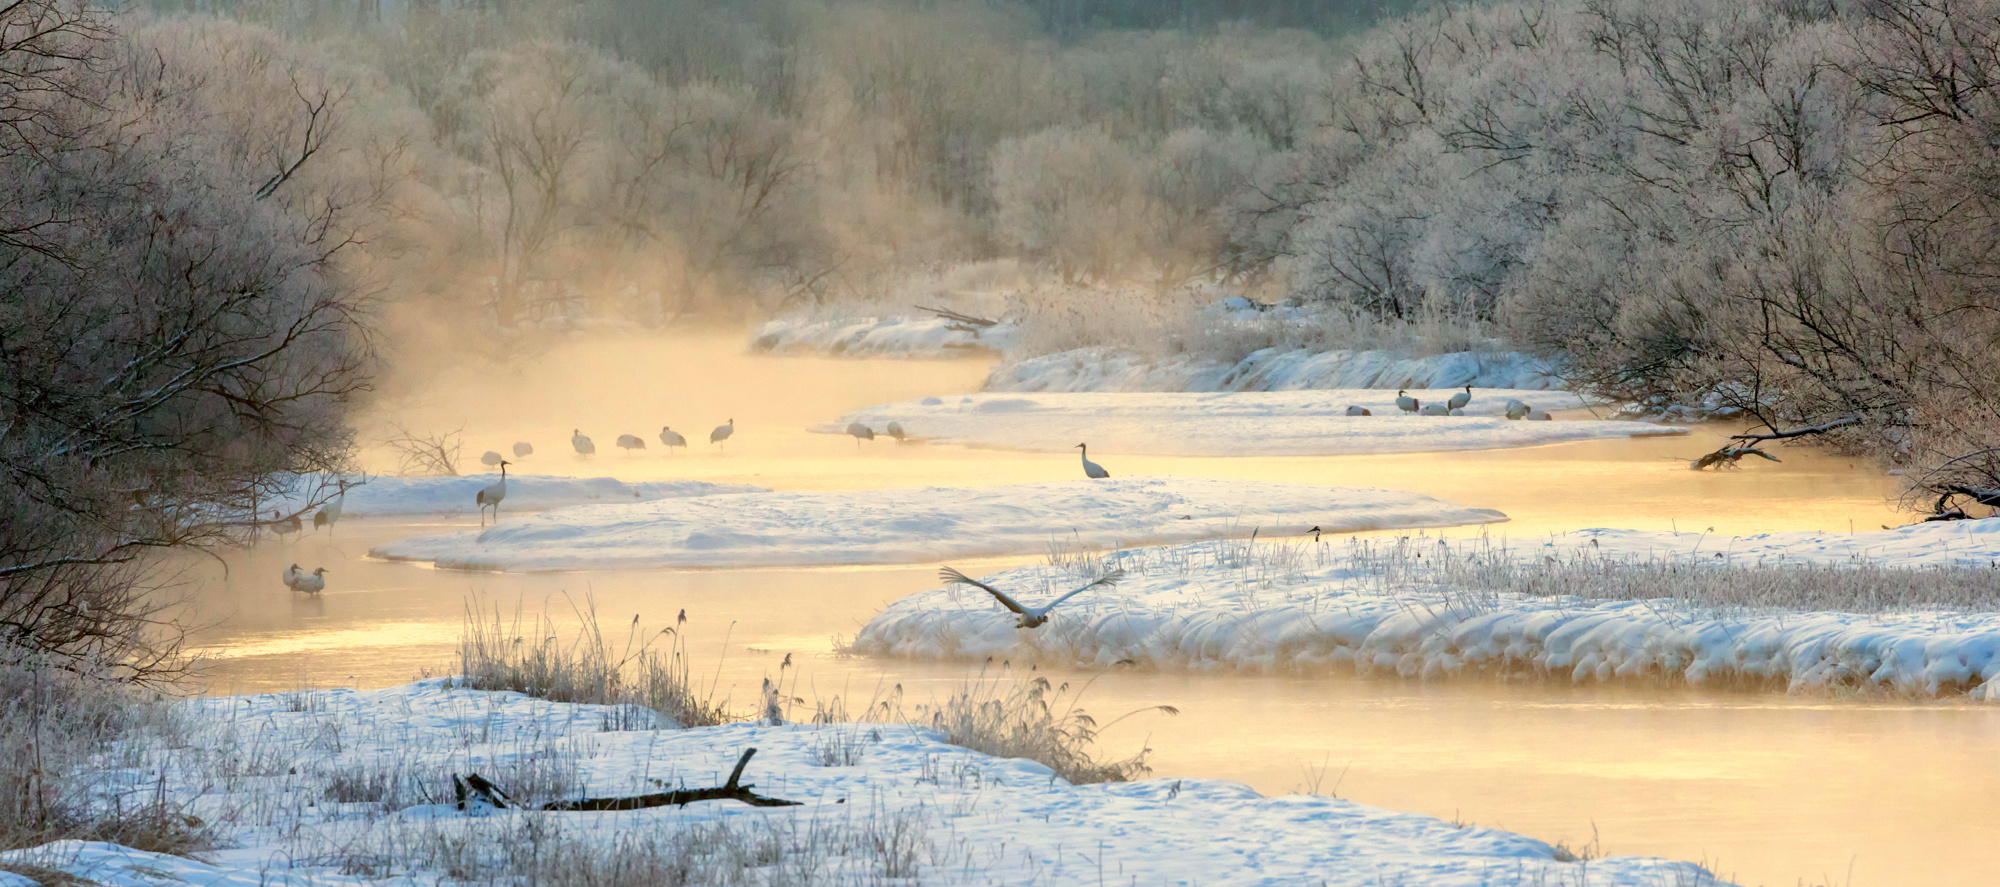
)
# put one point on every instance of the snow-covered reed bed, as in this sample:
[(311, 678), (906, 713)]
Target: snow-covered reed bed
[(56, 724), (986, 786), (1796, 611), (649, 670), (343, 787)]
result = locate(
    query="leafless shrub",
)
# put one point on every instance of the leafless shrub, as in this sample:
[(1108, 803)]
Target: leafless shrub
[(425, 454)]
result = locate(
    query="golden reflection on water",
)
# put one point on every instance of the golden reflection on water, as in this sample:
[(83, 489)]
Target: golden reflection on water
[(1769, 788)]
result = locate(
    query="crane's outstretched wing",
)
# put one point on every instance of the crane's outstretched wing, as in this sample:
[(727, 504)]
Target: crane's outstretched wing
[(1110, 578), (954, 577)]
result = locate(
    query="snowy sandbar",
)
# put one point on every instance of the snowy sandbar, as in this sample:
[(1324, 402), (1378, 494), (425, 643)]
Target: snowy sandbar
[(922, 524), (1278, 423), (1432, 609)]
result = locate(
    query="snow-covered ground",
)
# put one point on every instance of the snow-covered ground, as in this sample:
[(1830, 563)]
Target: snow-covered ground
[(1334, 606), (918, 525), (525, 492), (339, 787), (1276, 423), (881, 337), (1271, 369)]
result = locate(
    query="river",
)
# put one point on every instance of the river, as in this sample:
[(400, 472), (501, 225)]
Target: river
[(1766, 788)]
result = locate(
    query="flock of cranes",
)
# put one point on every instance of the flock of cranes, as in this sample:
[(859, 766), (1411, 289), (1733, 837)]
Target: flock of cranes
[(584, 446), (1028, 617), (1455, 406)]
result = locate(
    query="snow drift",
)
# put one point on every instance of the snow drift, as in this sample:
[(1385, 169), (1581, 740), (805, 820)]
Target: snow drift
[(1225, 605), (1270, 369), (1281, 423), (881, 337), (525, 492), (918, 525)]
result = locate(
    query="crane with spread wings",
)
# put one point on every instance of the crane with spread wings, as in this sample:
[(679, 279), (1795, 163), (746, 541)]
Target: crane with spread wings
[(1030, 616)]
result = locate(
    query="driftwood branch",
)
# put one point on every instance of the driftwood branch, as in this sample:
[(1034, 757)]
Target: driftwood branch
[(1798, 432), (733, 790), (1728, 456), (966, 320), (1733, 452)]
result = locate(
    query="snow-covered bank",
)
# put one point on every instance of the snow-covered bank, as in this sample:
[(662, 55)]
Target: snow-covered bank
[(881, 337), (1342, 607), (918, 525), (525, 492), (1271, 369), (1277, 423), (350, 788)]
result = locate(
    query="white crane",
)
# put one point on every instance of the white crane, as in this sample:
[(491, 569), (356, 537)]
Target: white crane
[(329, 514), (860, 432), (492, 495), (300, 580), (490, 458), (630, 442), (896, 431), (1091, 469), (1459, 400), (1358, 411), (582, 444), (1539, 416), (1029, 616), (1405, 403), (523, 448), (1434, 409), (722, 432), (670, 438), (1518, 410)]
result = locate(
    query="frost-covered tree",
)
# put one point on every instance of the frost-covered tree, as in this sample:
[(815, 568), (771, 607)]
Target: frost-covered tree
[(176, 326)]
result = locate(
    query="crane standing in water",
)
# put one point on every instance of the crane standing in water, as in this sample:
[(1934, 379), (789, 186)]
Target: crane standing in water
[(1091, 469), (491, 496), (300, 580), (329, 514)]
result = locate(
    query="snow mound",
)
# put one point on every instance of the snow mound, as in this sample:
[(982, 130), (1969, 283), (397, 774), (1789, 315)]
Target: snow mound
[(1270, 369), (1281, 608), (1276, 423), (919, 525), (1161, 831), (525, 492), (881, 337)]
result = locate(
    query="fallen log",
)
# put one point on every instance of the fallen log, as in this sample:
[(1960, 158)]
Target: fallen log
[(732, 790)]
